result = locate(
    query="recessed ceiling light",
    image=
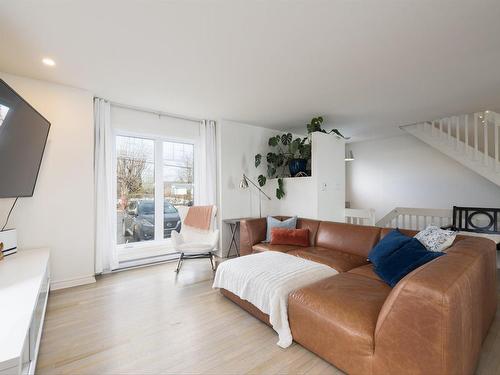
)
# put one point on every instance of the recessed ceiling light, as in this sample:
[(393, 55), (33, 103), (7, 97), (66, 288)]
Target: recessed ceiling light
[(48, 61)]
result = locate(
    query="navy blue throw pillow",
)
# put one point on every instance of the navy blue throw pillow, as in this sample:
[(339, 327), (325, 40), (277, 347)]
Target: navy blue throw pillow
[(396, 255), (392, 241)]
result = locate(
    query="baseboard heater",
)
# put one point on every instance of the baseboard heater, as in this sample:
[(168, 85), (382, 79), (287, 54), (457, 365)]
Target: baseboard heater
[(138, 262)]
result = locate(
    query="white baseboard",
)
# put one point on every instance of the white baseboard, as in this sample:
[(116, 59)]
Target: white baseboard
[(55, 285)]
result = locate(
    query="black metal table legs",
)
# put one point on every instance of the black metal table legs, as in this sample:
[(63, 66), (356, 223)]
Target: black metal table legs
[(234, 228)]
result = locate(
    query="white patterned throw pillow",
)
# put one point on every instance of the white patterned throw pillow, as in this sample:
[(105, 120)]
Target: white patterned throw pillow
[(435, 238)]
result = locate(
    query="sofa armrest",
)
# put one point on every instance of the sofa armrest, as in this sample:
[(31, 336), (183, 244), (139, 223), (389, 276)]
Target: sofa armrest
[(435, 319), (252, 231)]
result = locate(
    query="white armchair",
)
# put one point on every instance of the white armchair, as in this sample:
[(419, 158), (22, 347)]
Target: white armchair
[(193, 243)]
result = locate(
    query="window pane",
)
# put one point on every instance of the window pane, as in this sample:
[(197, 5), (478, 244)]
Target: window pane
[(178, 184), (135, 173)]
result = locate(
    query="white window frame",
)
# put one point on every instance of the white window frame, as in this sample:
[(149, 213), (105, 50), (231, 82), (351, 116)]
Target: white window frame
[(158, 245)]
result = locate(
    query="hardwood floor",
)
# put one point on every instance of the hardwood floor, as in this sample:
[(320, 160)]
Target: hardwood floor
[(148, 321)]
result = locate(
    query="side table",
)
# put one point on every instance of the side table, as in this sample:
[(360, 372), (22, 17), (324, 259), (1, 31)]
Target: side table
[(234, 227)]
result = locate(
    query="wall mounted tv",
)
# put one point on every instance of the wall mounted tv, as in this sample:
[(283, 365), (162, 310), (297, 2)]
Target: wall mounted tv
[(23, 135)]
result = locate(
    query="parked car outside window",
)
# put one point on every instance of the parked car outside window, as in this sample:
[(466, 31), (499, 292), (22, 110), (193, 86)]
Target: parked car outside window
[(138, 222)]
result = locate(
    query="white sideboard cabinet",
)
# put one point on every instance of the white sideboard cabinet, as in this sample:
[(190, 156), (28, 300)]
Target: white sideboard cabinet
[(24, 290)]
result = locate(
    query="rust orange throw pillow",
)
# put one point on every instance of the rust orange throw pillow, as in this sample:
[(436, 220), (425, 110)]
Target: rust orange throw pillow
[(283, 236)]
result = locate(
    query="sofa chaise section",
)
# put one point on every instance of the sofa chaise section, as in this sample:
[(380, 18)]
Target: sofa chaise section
[(336, 317)]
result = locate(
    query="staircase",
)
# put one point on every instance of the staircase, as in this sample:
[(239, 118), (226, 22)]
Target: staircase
[(471, 139)]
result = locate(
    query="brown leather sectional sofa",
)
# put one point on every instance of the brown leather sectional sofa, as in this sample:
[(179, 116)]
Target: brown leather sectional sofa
[(432, 322)]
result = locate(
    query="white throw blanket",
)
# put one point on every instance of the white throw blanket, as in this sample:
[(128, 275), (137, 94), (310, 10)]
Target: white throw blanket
[(266, 279)]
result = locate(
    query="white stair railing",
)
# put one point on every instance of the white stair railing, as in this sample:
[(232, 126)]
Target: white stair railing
[(360, 216), (416, 218), (471, 139)]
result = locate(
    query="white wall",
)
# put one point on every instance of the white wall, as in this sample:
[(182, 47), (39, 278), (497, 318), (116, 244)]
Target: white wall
[(237, 145), (60, 214), (403, 171), (297, 200)]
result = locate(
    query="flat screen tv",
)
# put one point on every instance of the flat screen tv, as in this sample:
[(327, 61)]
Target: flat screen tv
[(23, 135)]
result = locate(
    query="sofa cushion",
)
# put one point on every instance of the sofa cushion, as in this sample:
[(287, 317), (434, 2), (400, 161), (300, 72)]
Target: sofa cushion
[(282, 236), (354, 239), (339, 260), (262, 246), (366, 271), (336, 319), (408, 232), (252, 231), (310, 224)]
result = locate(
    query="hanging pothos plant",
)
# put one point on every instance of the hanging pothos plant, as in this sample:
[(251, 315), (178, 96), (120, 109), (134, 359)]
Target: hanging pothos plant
[(289, 156)]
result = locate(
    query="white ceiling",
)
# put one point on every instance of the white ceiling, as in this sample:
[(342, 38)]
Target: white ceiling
[(366, 65)]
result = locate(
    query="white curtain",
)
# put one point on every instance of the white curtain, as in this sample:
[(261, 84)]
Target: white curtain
[(207, 192), (105, 228)]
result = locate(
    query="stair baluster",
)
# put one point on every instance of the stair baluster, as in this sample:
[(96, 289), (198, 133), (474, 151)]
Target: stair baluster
[(496, 125), (466, 134)]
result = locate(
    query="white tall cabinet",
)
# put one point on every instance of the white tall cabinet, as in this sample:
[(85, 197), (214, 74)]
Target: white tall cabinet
[(24, 289), (328, 173)]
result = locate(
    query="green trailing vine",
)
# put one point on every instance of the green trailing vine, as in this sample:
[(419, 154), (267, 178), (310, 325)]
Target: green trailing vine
[(284, 148), (315, 126), (280, 192)]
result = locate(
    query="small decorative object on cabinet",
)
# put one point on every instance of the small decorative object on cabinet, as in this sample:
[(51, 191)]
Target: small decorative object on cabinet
[(24, 290), (349, 156)]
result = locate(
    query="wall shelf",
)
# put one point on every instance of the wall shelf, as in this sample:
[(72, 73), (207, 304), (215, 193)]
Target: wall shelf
[(306, 178)]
